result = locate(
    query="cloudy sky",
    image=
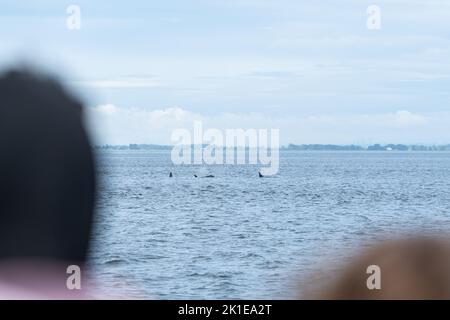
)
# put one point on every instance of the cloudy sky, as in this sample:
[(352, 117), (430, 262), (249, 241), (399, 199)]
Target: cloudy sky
[(309, 68)]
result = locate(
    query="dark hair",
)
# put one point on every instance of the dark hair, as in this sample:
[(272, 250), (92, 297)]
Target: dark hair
[(47, 172)]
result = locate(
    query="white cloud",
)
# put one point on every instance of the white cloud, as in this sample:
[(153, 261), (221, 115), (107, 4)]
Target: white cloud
[(403, 119), (116, 125), (121, 82)]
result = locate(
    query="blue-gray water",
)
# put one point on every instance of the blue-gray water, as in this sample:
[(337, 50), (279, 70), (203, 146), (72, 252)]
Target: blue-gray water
[(240, 236)]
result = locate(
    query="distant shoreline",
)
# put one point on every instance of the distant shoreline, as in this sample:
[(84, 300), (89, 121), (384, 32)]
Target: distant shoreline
[(300, 147)]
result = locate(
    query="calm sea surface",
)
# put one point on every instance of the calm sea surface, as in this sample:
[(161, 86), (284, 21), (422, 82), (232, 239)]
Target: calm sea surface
[(240, 236)]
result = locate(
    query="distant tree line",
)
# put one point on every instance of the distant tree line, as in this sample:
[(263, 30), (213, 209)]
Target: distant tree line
[(134, 147), (324, 147), (305, 147), (375, 147)]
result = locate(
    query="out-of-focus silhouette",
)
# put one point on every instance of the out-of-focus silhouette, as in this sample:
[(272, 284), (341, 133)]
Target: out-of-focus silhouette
[(416, 268), (47, 185)]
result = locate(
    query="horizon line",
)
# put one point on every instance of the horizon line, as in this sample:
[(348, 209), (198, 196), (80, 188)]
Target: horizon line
[(290, 145)]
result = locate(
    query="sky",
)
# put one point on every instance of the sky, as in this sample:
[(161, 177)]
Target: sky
[(312, 69)]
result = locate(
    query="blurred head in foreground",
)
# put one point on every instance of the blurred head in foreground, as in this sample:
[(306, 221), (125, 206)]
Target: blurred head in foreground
[(408, 269), (47, 179)]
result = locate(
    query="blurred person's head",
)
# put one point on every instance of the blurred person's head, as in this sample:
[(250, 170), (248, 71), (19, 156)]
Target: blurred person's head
[(47, 175), (416, 268)]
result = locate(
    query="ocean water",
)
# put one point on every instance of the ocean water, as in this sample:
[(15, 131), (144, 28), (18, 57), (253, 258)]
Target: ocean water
[(237, 236)]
